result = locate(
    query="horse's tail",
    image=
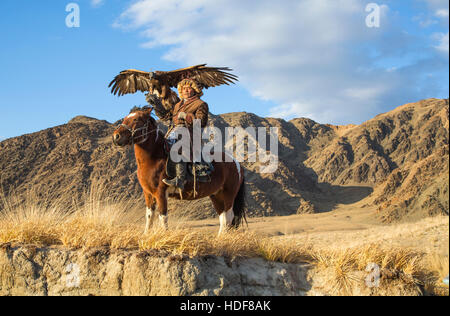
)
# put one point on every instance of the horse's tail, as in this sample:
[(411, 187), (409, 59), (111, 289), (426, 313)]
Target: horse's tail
[(239, 207)]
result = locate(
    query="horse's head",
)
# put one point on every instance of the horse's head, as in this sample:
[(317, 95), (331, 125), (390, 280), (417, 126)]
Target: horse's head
[(135, 128)]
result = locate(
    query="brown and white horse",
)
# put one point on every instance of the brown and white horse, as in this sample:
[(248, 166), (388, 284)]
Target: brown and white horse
[(226, 189)]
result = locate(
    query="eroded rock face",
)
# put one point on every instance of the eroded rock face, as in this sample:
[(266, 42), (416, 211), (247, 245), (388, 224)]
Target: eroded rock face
[(54, 271)]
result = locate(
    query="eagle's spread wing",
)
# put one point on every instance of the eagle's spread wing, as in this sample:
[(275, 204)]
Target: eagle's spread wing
[(130, 81), (206, 76)]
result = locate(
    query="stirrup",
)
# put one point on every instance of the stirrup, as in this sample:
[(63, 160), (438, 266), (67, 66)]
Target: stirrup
[(170, 182), (175, 182)]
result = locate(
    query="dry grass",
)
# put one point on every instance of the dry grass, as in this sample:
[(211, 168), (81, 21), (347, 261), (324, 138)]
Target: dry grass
[(345, 267), (439, 268), (107, 222)]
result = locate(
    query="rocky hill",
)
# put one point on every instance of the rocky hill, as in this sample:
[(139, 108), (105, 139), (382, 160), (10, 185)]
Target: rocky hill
[(398, 161)]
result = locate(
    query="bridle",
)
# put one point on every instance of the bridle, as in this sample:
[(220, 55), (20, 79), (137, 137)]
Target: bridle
[(144, 132)]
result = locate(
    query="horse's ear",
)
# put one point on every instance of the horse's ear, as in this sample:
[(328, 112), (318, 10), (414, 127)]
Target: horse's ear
[(149, 112)]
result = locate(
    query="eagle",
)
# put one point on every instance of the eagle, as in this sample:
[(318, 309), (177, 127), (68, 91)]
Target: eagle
[(159, 83)]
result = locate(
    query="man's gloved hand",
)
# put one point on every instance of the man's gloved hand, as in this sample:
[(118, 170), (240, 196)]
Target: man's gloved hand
[(182, 116), (159, 109), (185, 118), (152, 99)]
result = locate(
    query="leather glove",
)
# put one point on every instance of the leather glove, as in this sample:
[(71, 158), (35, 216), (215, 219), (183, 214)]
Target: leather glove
[(152, 99), (182, 116)]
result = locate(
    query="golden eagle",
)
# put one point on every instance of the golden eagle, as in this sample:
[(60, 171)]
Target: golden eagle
[(159, 83)]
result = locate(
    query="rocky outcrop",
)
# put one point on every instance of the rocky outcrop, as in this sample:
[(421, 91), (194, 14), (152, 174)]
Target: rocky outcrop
[(53, 271)]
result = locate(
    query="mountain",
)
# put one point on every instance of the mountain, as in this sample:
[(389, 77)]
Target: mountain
[(397, 161)]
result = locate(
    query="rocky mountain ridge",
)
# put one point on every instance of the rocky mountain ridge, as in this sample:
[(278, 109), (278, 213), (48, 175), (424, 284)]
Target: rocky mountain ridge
[(398, 161)]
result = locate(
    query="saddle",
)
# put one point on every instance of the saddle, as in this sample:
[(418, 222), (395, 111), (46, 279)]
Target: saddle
[(202, 170), (196, 171)]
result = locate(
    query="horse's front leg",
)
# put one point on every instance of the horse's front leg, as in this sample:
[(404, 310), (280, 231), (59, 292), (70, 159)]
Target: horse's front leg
[(150, 212), (161, 201)]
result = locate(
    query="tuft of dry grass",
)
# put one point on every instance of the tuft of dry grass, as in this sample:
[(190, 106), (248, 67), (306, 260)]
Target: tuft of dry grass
[(108, 222), (345, 267), (438, 267), (29, 222)]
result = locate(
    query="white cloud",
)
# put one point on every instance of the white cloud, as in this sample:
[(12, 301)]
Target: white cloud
[(439, 8), (442, 13), (97, 3), (314, 58), (438, 14), (443, 45)]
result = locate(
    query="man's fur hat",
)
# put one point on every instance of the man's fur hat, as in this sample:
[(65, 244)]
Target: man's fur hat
[(192, 83)]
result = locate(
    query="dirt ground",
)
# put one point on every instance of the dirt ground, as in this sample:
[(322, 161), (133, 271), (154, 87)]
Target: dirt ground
[(349, 226)]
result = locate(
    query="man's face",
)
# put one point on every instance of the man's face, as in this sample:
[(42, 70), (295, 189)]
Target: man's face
[(187, 92)]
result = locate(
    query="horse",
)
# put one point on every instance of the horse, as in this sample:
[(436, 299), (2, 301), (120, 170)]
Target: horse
[(226, 188)]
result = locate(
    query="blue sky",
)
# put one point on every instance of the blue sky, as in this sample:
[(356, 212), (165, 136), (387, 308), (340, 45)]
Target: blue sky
[(307, 58)]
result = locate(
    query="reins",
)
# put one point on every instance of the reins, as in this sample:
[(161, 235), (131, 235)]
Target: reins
[(144, 134)]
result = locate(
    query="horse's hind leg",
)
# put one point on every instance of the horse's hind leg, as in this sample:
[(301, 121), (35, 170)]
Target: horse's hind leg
[(226, 220), (150, 212), (225, 211)]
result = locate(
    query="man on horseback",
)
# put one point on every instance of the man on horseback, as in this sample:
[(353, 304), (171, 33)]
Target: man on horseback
[(190, 108), (225, 180)]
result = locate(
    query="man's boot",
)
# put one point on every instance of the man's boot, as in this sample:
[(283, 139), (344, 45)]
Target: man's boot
[(180, 179)]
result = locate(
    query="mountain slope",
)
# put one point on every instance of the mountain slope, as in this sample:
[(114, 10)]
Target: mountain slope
[(397, 161)]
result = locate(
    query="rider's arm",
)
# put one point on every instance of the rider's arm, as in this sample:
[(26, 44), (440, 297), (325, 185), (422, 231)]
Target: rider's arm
[(200, 114)]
